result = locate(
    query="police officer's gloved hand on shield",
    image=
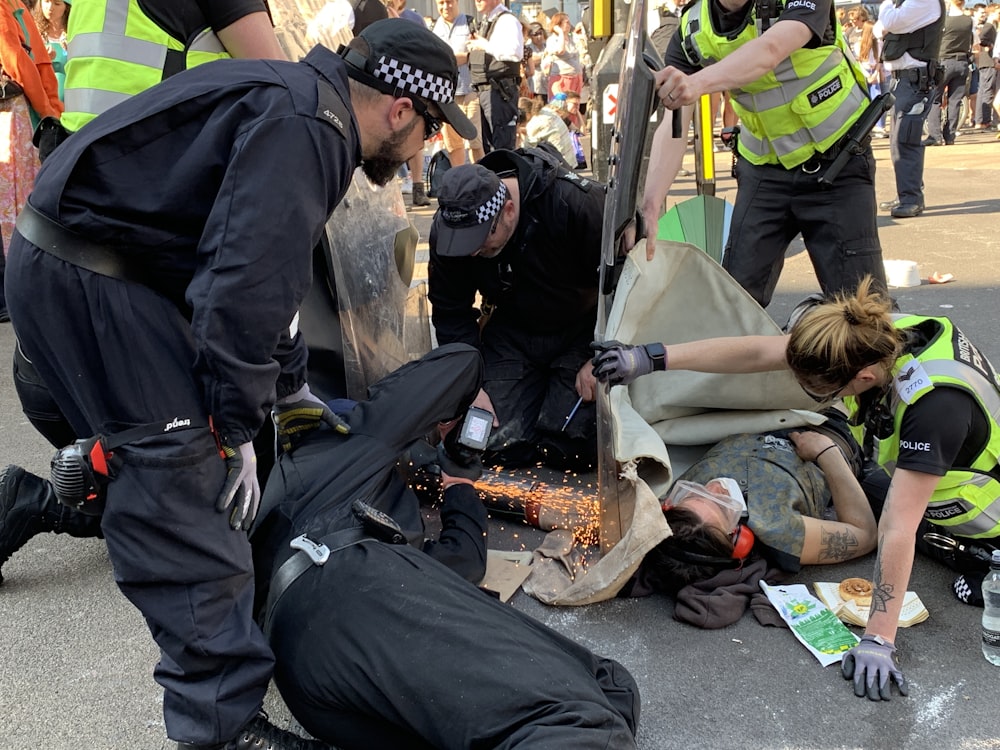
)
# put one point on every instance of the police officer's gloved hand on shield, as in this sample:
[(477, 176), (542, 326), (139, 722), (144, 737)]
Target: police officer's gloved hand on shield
[(620, 364), (872, 667), (241, 491), (300, 413)]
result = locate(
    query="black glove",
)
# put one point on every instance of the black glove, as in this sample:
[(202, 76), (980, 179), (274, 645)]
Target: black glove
[(464, 464), (48, 135), (241, 490), (873, 668), (300, 413), (620, 364)]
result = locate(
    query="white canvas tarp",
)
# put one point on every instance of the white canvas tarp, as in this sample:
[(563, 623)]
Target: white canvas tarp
[(681, 295)]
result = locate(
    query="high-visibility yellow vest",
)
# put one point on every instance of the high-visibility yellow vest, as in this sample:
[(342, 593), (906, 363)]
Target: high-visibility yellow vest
[(799, 109), (116, 51), (967, 499)]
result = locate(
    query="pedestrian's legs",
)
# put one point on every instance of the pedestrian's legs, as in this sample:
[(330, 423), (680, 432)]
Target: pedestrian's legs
[(987, 89)]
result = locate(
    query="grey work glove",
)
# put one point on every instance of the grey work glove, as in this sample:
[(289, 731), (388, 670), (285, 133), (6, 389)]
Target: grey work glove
[(873, 669), (241, 491), (620, 364), (299, 414)]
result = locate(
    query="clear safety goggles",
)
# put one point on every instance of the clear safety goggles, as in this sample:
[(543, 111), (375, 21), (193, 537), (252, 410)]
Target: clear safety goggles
[(730, 501)]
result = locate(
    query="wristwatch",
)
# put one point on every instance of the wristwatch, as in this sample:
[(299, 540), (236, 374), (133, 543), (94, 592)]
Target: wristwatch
[(658, 354)]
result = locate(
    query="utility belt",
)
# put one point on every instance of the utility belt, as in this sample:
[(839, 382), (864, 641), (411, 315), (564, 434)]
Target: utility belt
[(963, 56), (375, 526), (818, 162), (923, 77), (80, 473), (52, 237), (497, 83)]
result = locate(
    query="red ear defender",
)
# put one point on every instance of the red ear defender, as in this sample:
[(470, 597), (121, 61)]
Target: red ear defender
[(743, 541)]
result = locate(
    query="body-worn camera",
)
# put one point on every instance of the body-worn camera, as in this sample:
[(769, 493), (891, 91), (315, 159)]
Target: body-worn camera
[(80, 475), (474, 432)]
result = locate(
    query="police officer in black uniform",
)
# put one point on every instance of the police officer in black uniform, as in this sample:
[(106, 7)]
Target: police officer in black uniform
[(379, 641), (495, 54), (525, 232), (152, 283), (910, 50), (956, 51)]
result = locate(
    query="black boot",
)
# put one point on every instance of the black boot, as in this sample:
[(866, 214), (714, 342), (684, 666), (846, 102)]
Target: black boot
[(260, 734), (28, 506)]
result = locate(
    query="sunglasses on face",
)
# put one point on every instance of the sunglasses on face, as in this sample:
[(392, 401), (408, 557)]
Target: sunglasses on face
[(432, 125)]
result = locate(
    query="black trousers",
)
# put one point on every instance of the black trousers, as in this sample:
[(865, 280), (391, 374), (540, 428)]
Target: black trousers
[(113, 355), (953, 83), (837, 222), (498, 115), (909, 112), (531, 380), (384, 648)]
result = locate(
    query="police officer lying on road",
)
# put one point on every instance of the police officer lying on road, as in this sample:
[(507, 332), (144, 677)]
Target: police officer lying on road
[(381, 645), (151, 284)]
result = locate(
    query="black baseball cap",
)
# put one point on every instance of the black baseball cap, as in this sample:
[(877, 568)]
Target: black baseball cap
[(402, 58), (469, 201)]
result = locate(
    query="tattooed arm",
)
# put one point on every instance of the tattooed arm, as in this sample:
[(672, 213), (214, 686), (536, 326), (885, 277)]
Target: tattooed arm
[(853, 533), (908, 496)]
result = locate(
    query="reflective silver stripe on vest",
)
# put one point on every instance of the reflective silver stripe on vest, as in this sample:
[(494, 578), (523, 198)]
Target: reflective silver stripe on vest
[(93, 101), (984, 522), (208, 42), (124, 48), (982, 386), (791, 85), (805, 136)]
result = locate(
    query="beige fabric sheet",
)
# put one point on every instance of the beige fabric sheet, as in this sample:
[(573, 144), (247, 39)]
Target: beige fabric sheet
[(681, 295)]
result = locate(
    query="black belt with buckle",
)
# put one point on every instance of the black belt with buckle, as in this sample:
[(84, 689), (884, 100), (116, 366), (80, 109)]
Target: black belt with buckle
[(910, 74)]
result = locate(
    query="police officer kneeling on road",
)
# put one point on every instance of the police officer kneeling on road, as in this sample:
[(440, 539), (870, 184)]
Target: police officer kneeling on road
[(152, 282), (524, 232)]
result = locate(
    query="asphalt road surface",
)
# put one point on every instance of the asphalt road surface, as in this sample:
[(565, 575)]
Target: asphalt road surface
[(76, 659)]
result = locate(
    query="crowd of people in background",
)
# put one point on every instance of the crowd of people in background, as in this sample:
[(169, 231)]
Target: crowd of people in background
[(966, 97)]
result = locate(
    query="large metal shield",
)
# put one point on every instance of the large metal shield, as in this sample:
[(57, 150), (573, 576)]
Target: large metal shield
[(635, 97), (361, 319)]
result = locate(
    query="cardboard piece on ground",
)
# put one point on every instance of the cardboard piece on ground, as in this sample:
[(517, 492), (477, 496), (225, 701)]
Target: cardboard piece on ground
[(505, 571)]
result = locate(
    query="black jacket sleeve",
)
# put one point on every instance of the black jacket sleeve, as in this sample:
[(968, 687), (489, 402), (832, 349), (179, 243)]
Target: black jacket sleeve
[(462, 543), (452, 291)]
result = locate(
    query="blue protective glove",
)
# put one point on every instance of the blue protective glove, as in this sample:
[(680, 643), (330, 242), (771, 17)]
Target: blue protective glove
[(241, 491), (620, 364), (299, 414), (871, 662)]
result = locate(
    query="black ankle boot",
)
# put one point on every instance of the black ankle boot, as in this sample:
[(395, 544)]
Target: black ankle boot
[(261, 734), (28, 506)]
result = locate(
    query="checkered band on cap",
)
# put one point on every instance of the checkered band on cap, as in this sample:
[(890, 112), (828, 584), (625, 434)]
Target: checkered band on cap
[(407, 77), (492, 207)]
